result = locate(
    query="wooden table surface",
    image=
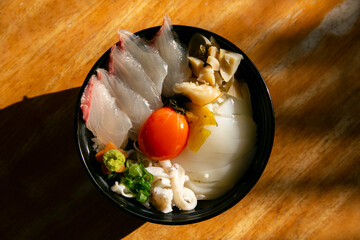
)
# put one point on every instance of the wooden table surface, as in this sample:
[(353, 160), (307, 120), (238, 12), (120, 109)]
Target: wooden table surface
[(308, 53)]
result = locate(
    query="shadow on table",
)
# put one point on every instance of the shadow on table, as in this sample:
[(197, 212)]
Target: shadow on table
[(45, 191)]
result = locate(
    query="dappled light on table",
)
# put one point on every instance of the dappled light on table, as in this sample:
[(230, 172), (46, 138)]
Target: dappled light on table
[(308, 53)]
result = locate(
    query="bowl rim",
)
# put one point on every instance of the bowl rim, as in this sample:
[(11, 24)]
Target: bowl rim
[(224, 207)]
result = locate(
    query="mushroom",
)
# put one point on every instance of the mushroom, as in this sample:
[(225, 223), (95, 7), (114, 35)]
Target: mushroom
[(206, 75), (229, 62), (213, 62), (196, 65), (198, 46), (214, 42), (213, 51), (218, 79), (199, 94)]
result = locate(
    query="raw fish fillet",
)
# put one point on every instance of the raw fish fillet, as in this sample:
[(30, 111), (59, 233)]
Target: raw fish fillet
[(148, 57), (124, 66), (130, 102), (174, 54), (102, 116)]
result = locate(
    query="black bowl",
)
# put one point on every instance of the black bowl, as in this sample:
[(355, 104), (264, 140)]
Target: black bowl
[(263, 115)]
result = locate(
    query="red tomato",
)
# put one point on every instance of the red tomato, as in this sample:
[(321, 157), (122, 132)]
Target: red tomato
[(164, 134)]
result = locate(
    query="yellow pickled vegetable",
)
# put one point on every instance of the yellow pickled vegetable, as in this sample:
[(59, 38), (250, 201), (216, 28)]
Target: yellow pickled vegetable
[(198, 117), (197, 138)]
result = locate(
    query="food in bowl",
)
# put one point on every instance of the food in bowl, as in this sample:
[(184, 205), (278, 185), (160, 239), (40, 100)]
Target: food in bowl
[(171, 124)]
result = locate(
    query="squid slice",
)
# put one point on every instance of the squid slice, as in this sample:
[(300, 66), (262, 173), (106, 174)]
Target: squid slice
[(184, 198), (133, 104), (124, 66), (148, 57), (161, 199), (157, 172), (102, 116), (122, 190), (174, 54), (168, 188)]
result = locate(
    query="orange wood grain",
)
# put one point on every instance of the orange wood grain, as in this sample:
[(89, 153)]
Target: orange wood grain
[(308, 53)]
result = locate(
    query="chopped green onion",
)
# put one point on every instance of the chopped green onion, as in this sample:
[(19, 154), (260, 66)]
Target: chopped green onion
[(135, 171), (137, 180), (140, 197)]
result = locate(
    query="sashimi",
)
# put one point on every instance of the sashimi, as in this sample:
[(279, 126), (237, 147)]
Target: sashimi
[(148, 57), (174, 54), (102, 116), (124, 66), (130, 102)]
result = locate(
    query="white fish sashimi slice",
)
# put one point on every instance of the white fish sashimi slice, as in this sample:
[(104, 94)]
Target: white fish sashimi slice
[(102, 116), (174, 54), (149, 58), (130, 102), (124, 66)]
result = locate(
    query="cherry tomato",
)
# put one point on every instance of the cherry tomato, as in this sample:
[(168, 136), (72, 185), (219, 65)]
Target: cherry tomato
[(164, 134)]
